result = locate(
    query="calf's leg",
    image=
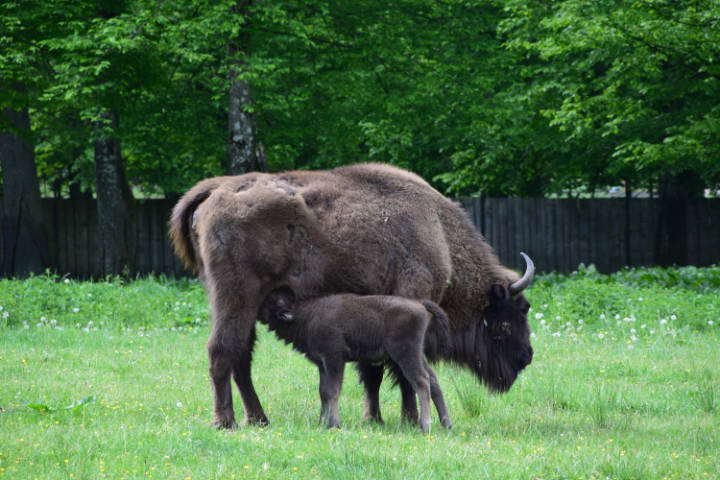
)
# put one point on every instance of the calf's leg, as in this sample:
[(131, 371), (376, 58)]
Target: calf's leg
[(417, 377), (409, 357), (331, 378), (437, 396)]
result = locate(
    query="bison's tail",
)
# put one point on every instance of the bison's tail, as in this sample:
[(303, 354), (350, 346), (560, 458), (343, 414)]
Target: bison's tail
[(181, 220), (437, 336)]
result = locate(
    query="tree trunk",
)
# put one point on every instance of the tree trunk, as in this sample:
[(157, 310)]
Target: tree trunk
[(25, 245), (115, 203), (675, 191), (244, 154)]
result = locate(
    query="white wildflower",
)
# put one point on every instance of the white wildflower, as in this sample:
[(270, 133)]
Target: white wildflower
[(601, 335), (67, 280), (76, 309), (179, 404), (556, 334), (602, 316), (663, 321), (673, 317), (581, 321), (538, 316), (711, 323)]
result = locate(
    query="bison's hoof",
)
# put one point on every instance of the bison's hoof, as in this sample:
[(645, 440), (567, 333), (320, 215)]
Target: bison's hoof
[(446, 423), (257, 421), (376, 419), (425, 427), (333, 424), (224, 424)]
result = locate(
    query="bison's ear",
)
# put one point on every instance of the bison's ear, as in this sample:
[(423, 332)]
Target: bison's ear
[(497, 294)]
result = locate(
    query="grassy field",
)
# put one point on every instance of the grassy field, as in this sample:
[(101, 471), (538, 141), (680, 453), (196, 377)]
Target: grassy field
[(109, 380)]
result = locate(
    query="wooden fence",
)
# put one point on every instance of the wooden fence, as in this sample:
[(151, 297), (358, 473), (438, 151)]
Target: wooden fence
[(557, 234)]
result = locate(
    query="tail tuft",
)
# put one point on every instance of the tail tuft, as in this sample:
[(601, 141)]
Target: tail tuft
[(437, 336), (181, 219)]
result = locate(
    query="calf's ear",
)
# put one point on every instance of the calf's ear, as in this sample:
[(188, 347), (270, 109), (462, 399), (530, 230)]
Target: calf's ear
[(497, 294)]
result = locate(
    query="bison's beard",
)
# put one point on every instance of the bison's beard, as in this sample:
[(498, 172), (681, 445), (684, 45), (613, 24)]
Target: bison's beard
[(496, 363)]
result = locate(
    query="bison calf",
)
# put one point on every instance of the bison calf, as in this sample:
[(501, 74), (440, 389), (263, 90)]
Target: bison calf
[(336, 329)]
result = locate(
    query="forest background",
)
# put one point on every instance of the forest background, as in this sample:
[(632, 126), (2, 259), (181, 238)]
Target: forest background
[(128, 99)]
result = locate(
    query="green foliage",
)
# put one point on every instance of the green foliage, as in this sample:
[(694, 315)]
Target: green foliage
[(52, 302), (502, 97)]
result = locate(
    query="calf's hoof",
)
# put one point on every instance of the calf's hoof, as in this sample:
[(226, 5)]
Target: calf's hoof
[(425, 427), (446, 423)]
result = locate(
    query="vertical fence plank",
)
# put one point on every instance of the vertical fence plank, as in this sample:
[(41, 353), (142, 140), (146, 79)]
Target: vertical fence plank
[(165, 208), (81, 246), (143, 263)]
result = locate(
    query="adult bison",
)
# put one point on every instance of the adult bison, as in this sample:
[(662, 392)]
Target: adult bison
[(365, 229)]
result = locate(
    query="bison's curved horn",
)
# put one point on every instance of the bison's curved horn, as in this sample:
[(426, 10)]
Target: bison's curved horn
[(527, 277)]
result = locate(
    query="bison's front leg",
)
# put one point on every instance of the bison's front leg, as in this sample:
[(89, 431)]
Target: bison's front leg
[(371, 377)]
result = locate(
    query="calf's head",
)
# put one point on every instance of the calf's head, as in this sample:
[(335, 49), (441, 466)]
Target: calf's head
[(278, 306)]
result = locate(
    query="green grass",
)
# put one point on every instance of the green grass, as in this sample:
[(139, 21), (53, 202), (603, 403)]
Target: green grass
[(109, 380)]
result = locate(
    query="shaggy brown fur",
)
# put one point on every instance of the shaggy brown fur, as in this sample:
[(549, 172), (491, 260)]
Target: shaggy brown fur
[(365, 229), (370, 329)]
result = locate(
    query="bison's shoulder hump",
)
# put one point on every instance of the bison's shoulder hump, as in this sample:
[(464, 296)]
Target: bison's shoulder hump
[(380, 173)]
